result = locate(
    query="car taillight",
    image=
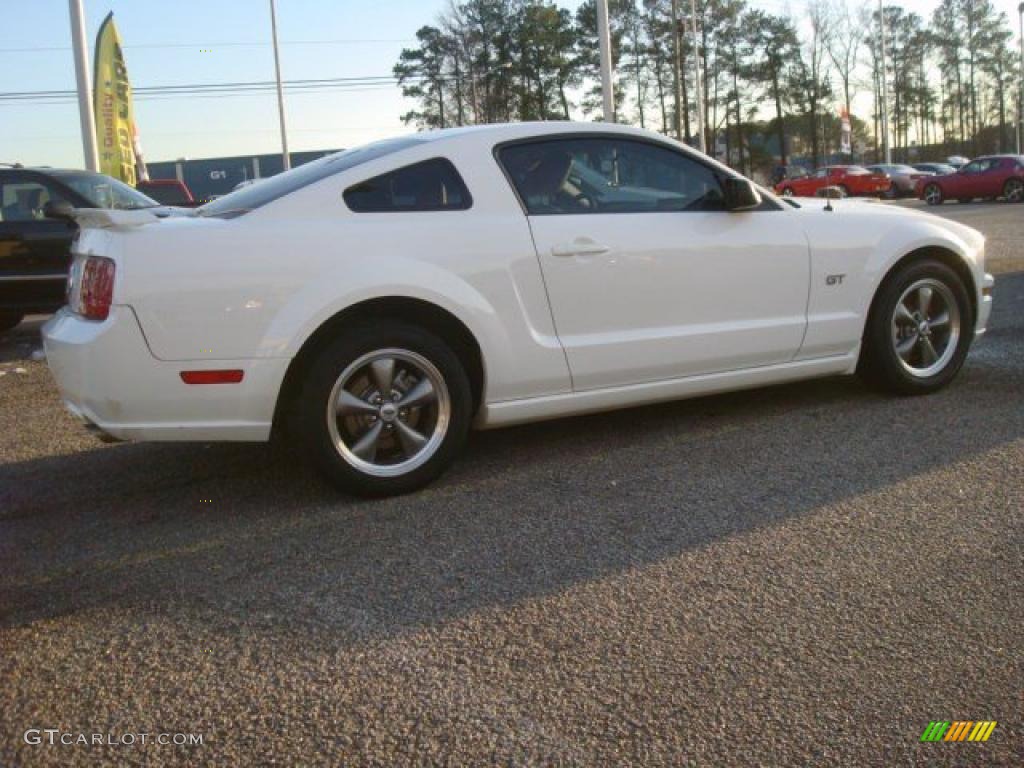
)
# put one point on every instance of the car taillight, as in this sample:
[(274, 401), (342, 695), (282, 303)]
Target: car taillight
[(97, 291)]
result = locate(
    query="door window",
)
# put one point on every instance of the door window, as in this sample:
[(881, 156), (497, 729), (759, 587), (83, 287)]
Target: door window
[(978, 166), (608, 175), (433, 185)]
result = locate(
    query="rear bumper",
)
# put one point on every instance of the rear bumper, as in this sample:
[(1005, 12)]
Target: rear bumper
[(31, 294), (109, 379)]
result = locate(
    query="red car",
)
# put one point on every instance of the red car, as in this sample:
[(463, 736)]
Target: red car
[(851, 179), (168, 192), (992, 176)]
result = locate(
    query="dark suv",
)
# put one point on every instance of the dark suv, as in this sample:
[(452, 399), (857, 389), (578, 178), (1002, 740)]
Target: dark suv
[(35, 250)]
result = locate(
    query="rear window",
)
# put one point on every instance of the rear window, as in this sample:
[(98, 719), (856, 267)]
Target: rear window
[(433, 185), (105, 192), (256, 195), (856, 170)]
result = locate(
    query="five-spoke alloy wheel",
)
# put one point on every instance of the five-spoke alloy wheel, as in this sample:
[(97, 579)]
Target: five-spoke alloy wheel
[(925, 327), (919, 329), (388, 412), (1013, 191), (384, 408)]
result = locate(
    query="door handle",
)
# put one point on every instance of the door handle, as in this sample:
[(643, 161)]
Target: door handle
[(581, 246)]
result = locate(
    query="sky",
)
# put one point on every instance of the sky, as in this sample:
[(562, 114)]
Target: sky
[(210, 41)]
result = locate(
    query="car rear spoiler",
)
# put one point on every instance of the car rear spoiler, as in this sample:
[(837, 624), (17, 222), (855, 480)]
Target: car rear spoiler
[(105, 218), (99, 218)]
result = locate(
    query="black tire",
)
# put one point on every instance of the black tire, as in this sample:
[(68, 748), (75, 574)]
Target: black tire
[(933, 194), (9, 321), (311, 419), (1013, 191), (845, 190), (879, 363)]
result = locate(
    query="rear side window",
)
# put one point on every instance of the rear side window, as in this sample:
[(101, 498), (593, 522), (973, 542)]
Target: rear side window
[(433, 185), (23, 200)]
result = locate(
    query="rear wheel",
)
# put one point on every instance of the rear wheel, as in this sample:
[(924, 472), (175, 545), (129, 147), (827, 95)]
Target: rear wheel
[(933, 194), (9, 320), (919, 330), (385, 409), (1013, 191)]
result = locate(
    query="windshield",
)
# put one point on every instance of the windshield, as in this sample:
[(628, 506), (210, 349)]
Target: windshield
[(255, 195), (105, 192)]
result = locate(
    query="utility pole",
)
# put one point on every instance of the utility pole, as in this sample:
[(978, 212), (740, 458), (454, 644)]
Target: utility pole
[(885, 87), (280, 91), (85, 111), (701, 133), (1020, 94), (677, 71), (604, 40)]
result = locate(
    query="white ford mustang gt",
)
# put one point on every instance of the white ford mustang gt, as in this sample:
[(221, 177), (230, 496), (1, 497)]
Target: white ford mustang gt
[(381, 301)]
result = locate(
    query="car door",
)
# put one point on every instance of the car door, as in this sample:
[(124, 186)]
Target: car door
[(815, 181), (972, 179), (649, 278), (990, 180)]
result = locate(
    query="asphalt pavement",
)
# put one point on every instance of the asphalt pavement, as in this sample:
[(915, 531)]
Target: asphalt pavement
[(802, 575)]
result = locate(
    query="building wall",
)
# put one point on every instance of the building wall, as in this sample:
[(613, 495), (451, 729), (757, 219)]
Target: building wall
[(219, 175)]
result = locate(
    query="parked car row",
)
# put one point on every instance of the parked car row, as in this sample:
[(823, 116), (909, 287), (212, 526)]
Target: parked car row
[(989, 177), (850, 180)]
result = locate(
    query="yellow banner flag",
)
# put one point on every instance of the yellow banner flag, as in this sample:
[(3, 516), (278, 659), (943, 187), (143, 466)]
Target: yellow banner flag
[(112, 101)]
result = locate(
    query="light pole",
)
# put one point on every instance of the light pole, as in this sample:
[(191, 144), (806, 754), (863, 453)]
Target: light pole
[(280, 92), (85, 111), (885, 87), (1020, 94), (701, 138), (677, 71), (604, 41)]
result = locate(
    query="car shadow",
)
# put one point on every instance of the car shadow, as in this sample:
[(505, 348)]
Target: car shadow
[(248, 536)]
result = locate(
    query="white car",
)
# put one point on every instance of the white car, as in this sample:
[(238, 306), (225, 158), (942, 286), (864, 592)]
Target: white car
[(383, 300)]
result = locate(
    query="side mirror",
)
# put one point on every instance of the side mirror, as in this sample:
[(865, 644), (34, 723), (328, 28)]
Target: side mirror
[(740, 194), (58, 209)]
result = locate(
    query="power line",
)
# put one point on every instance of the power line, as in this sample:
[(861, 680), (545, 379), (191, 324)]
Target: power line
[(193, 89), (206, 46)]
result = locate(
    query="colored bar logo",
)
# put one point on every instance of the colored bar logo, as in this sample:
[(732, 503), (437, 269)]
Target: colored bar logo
[(959, 730)]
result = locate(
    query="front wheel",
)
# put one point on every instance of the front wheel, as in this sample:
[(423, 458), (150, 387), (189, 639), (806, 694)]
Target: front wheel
[(919, 330), (1013, 191), (933, 194), (385, 409), (9, 320), (787, 192), (844, 190)]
